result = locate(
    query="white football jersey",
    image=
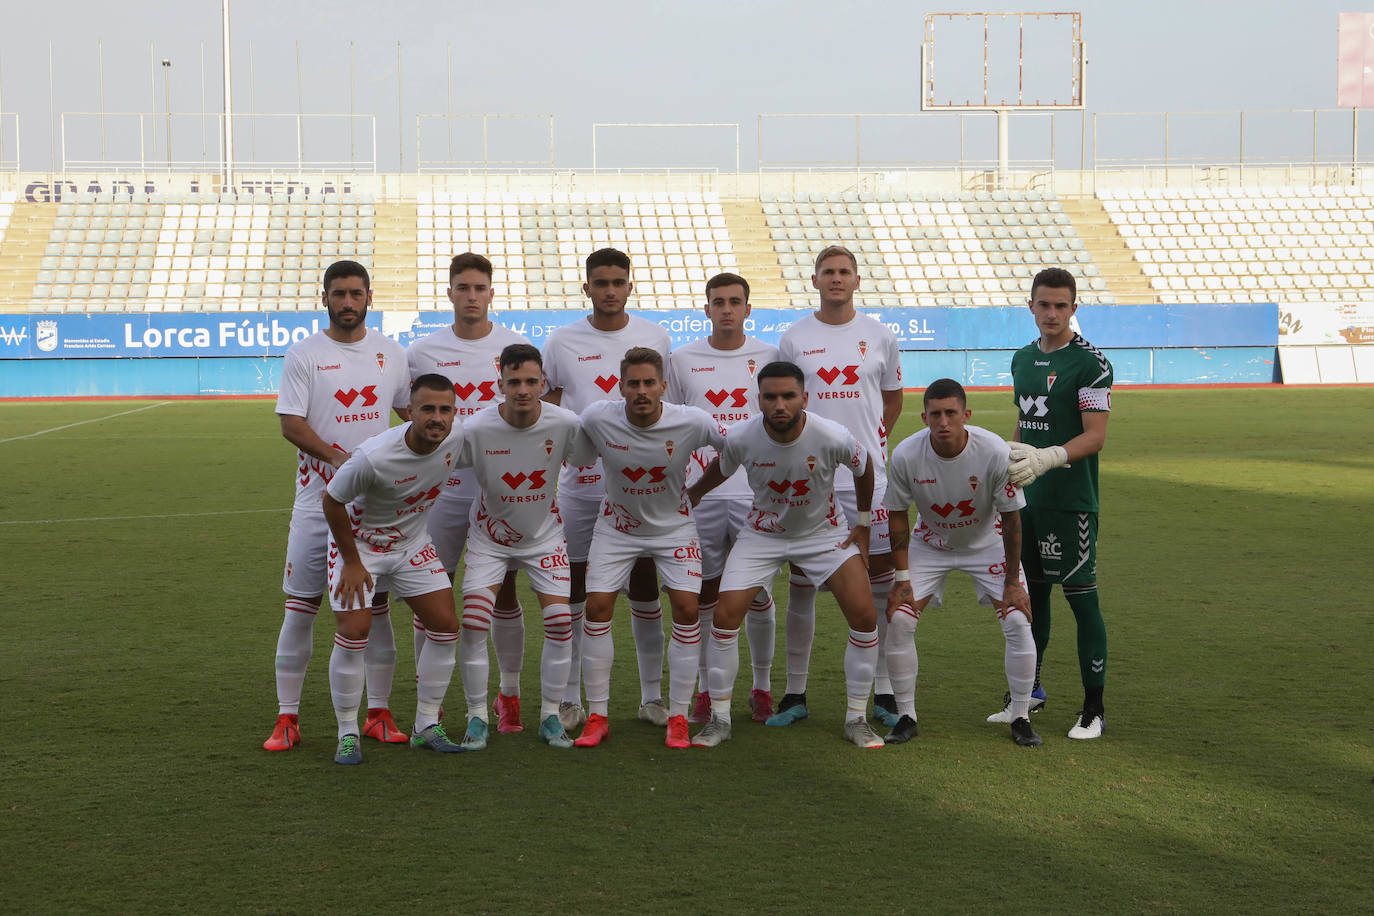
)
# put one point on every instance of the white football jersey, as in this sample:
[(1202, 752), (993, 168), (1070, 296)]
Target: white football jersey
[(516, 471), (585, 363), (391, 486), (345, 391), (958, 498), (473, 367), (848, 367), (793, 482), (722, 383), (646, 467)]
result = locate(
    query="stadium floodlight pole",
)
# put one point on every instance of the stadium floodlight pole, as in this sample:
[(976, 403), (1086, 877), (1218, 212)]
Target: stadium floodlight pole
[(167, 104), (228, 106)]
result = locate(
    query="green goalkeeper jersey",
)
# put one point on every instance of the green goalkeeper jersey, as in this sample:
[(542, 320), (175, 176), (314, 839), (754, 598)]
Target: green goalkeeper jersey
[(1052, 391)]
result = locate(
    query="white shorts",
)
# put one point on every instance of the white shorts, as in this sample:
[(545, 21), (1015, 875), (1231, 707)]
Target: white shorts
[(545, 564), (407, 572), (676, 556), (718, 524), (579, 511), (756, 558), (879, 540), (930, 566), (307, 543), (447, 524)]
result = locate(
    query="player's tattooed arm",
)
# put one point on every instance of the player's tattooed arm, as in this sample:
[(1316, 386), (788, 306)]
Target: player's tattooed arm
[(1012, 592), (297, 431), (899, 532), (710, 479)]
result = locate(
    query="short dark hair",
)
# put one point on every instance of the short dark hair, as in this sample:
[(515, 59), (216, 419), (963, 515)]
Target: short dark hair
[(782, 369), (831, 251), (607, 257), (433, 381), (944, 388), (727, 279), (1055, 278), (515, 355), (468, 261), (641, 356), (340, 269)]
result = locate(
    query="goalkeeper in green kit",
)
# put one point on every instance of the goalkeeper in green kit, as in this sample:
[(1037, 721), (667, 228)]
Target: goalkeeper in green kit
[(1063, 398)]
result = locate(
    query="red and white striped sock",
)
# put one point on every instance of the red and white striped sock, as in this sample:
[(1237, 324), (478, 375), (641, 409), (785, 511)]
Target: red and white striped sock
[(706, 613), (881, 586), (902, 661), (346, 681), (380, 658), (473, 651), (573, 692), (294, 645), (684, 648), (760, 627), (556, 658), (646, 623), (801, 630), (860, 659), (598, 654), (724, 669), (434, 672), (508, 638)]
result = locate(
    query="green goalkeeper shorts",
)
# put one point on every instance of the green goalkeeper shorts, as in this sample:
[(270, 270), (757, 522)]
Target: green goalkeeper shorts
[(1059, 546)]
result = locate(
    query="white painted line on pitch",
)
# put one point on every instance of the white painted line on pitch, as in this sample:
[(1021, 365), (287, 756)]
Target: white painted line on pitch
[(128, 518), (122, 413)]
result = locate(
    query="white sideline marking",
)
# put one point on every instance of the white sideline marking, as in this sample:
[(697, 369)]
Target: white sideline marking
[(125, 518), (54, 429)]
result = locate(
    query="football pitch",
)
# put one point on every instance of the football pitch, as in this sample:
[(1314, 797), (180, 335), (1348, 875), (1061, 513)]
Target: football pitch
[(142, 544)]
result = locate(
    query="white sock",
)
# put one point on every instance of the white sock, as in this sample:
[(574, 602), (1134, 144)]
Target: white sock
[(646, 623), (508, 637), (860, 660), (434, 674), (418, 633), (1019, 661), (573, 692), (801, 630), (724, 669), (598, 654), (683, 651), (902, 663), (705, 614), (380, 658), (555, 660), (346, 681), (294, 645), (760, 626), (473, 652), (881, 586)]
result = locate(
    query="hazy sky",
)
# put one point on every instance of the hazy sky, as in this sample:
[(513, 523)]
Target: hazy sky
[(648, 61)]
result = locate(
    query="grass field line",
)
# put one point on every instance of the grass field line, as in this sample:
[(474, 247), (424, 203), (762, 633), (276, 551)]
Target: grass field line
[(122, 413), (131, 518)]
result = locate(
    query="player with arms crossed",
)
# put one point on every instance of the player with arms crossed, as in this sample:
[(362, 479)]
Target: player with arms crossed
[(956, 476), (717, 375), (515, 450), (581, 360), (645, 446), (392, 480), (854, 375), (337, 386), (467, 352), (790, 457), (1063, 390)]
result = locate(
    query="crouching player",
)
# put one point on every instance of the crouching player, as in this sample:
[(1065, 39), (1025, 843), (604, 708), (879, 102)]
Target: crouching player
[(956, 476), (515, 449), (392, 479), (645, 445), (790, 456)]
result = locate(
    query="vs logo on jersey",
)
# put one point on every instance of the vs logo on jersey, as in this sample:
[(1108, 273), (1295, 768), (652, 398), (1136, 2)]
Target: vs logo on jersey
[(1034, 405), (368, 394)]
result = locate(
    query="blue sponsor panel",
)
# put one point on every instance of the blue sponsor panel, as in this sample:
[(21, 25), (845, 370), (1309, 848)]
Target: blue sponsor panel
[(237, 375), (106, 378), (1115, 327), (1132, 366), (1215, 365), (166, 334), (921, 367), (1230, 325)]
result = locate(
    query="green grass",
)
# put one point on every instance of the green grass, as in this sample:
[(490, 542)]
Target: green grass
[(136, 689)]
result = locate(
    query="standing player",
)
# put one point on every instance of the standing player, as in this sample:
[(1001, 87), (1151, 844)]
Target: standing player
[(515, 449), (336, 388), (645, 446), (853, 369), (582, 360), (1063, 387), (956, 476), (467, 352), (790, 457), (717, 375), (380, 542)]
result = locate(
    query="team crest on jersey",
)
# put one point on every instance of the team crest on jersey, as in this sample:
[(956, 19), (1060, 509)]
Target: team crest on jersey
[(668, 446), (381, 361), (752, 366), (448, 459), (811, 462), (863, 349), (548, 446), (1049, 380), (496, 362), (973, 483)]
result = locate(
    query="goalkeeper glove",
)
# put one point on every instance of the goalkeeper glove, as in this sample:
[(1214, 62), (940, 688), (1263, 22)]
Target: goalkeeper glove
[(1029, 463)]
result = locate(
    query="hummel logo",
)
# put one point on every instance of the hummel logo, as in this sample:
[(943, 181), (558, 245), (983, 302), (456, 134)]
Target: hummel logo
[(1099, 664), (368, 394), (851, 374), (1034, 406)]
